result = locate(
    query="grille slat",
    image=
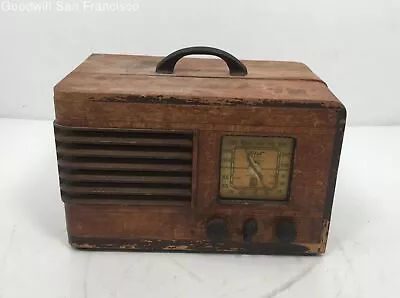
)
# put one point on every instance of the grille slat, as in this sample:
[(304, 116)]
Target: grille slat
[(142, 191), (124, 164), (124, 179), (123, 153), (124, 141)]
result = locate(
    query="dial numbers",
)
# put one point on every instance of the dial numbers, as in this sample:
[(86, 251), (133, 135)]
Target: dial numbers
[(255, 167)]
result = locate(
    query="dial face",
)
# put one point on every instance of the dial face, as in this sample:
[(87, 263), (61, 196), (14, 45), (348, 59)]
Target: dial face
[(255, 168)]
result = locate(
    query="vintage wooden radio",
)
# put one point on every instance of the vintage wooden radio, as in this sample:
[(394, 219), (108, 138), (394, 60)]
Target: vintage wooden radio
[(156, 155)]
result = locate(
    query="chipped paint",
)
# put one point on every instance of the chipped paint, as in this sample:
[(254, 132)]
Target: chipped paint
[(84, 245), (194, 246), (324, 235), (160, 99), (178, 247), (312, 248), (319, 248)]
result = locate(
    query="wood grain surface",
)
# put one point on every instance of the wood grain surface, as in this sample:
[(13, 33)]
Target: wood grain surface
[(110, 96)]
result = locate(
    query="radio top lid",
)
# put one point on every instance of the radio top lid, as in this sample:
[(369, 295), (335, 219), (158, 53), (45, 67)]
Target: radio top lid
[(225, 81)]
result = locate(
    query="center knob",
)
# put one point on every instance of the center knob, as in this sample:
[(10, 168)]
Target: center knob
[(249, 230), (217, 229)]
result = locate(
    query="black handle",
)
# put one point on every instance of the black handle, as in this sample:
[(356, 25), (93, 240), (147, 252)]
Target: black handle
[(167, 64)]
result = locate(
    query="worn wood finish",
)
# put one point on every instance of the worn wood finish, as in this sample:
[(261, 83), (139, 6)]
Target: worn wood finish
[(173, 222), (195, 90), (145, 65), (88, 113), (138, 153)]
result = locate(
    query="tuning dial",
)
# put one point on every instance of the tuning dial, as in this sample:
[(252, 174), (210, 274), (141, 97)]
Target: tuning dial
[(216, 229), (286, 230), (249, 230)]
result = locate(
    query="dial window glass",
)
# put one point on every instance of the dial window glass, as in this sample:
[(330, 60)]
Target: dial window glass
[(255, 168)]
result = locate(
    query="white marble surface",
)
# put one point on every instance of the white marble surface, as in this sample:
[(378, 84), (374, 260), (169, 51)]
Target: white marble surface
[(36, 260)]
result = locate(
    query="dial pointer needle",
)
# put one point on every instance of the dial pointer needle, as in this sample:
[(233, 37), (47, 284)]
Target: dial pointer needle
[(255, 168)]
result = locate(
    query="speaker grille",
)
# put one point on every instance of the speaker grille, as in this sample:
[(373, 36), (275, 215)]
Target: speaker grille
[(124, 164)]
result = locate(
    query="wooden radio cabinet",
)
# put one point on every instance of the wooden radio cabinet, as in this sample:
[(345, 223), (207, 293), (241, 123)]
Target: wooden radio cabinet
[(204, 155)]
